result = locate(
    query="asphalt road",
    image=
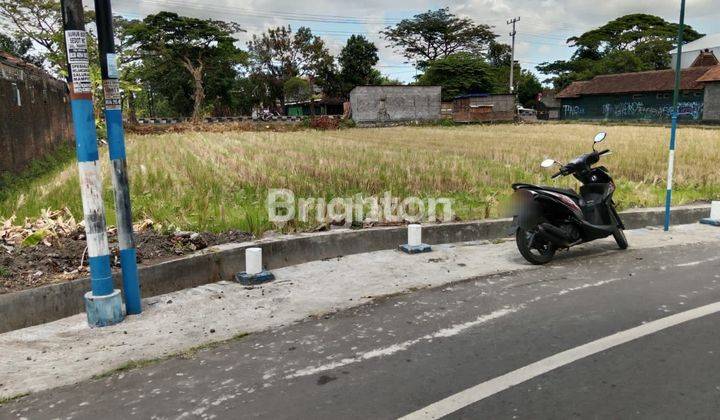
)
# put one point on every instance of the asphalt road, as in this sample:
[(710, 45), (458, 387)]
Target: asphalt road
[(403, 353)]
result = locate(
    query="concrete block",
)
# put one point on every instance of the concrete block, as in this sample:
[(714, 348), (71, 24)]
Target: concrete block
[(254, 279), (103, 311), (415, 249), (714, 219)]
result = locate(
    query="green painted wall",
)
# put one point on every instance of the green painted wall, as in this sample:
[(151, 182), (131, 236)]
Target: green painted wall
[(646, 106), (304, 110)]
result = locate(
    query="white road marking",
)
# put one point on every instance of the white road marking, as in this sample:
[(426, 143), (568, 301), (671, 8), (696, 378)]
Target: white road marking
[(692, 263), (386, 351), (486, 389), (446, 332)]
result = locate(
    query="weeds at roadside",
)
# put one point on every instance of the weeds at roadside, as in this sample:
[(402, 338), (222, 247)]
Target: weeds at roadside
[(8, 400), (185, 354)]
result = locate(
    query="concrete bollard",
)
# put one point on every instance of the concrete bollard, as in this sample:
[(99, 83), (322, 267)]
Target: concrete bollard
[(253, 261), (254, 273), (714, 218), (415, 245)]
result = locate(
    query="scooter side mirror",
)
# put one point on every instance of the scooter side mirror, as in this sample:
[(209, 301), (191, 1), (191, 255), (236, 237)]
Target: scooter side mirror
[(600, 137), (547, 163)]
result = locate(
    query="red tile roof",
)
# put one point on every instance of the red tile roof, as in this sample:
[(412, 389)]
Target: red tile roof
[(573, 91), (705, 59), (712, 75), (646, 81)]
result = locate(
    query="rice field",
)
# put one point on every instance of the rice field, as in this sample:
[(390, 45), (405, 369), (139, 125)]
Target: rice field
[(219, 181)]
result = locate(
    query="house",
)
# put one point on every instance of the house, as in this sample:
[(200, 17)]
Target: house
[(35, 116), (318, 106), (389, 104), (483, 107), (641, 96), (548, 107), (692, 50)]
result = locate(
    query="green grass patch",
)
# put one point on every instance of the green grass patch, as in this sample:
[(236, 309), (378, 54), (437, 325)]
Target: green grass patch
[(8, 400)]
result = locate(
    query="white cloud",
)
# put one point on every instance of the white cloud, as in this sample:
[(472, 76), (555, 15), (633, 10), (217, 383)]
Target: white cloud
[(544, 25)]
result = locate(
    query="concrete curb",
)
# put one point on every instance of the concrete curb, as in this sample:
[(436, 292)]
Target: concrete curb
[(56, 301)]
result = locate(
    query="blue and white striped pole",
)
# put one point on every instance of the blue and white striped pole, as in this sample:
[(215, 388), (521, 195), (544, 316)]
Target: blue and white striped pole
[(104, 303), (116, 142), (675, 115)]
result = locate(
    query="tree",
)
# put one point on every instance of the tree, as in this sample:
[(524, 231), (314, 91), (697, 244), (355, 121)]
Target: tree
[(528, 88), (633, 42), (279, 55), (458, 74), (40, 21), (199, 46), (357, 62), (20, 48), (437, 34), (297, 89)]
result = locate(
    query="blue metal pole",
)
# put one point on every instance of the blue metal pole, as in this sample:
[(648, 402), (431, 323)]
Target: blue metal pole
[(116, 142), (103, 303), (675, 112)]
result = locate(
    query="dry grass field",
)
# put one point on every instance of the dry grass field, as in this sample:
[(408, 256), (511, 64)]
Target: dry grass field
[(218, 181)]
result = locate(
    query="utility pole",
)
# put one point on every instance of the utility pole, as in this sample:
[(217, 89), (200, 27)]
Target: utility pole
[(103, 304), (116, 146), (512, 53), (675, 112)]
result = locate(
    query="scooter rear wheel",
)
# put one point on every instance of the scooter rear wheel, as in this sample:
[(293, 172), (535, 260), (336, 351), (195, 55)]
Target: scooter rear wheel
[(534, 249), (619, 236)]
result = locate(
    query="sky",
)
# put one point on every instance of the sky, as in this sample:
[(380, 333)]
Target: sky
[(541, 32)]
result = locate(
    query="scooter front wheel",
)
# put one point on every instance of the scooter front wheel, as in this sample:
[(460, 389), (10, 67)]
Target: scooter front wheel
[(619, 236), (533, 248)]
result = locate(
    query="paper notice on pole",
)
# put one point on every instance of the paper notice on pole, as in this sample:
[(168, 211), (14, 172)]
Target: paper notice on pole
[(111, 89), (112, 67), (77, 53)]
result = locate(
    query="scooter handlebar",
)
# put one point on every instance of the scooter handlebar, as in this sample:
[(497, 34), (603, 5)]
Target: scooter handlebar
[(604, 152)]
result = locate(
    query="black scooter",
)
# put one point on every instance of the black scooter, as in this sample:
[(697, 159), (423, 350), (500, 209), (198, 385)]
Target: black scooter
[(551, 218)]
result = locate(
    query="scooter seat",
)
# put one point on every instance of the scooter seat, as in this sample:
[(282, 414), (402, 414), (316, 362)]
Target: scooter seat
[(564, 191)]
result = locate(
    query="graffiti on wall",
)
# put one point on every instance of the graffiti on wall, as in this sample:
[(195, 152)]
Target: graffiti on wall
[(638, 110), (573, 110)]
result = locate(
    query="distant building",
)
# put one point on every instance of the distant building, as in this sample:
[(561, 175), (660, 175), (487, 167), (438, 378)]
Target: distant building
[(642, 96), (34, 113), (692, 50), (388, 104), (482, 107), (548, 107), (320, 106)]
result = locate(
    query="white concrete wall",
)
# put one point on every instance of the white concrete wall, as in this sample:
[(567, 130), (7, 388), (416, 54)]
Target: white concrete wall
[(377, 104), (711, 110)]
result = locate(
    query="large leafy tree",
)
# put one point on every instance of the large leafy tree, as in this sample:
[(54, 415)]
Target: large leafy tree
[(528, 88), (199, 46), (19, 47), (39, 21), (458, 74), (357, 62), (437, 34), (279, 55), (633, 42)]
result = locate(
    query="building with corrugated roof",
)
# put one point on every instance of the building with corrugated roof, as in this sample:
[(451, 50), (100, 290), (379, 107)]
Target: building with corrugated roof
[(644, 95), (692, 50)]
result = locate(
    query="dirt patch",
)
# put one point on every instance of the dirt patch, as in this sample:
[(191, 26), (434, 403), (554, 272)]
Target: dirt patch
[(64, 258)]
